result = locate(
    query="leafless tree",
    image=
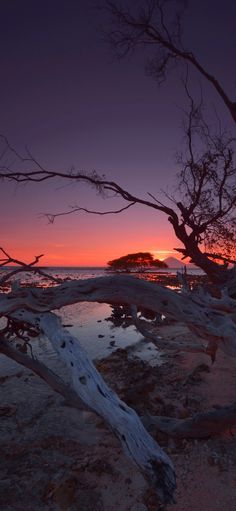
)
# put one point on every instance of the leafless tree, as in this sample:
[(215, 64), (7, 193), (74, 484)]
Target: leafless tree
[(157, 25), (203, 211), (204, 216)]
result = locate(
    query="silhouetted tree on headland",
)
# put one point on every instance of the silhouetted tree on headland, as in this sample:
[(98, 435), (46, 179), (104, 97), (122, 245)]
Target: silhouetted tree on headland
[(139, 261)]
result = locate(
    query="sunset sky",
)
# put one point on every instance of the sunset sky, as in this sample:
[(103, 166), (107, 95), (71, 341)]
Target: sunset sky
[(65, 96)]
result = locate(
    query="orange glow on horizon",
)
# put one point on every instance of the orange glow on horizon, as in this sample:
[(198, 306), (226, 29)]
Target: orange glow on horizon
[(163, 254), (87, 240), (60, 256)]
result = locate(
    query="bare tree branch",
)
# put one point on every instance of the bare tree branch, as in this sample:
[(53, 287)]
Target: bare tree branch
[(201, 425), (150, 25), (206, 183), (75, 209), (8, 260), (56, 383), (220, 257), (177, 345)]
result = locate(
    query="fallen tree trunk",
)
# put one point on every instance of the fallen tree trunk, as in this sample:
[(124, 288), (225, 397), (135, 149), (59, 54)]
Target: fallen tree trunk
[(54, 381), (123, 420), (201, 425), (180, 345), (205, 317)]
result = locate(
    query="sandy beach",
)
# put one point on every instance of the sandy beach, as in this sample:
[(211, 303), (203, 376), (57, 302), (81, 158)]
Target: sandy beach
[(54, 457)]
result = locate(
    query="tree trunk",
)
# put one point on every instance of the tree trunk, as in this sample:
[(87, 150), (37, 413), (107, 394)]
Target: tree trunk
[(216, 273), (201, 425), (211, 319), (56, 383), (123, 420)]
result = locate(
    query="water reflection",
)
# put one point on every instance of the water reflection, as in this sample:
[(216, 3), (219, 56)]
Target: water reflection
[(88, 321)]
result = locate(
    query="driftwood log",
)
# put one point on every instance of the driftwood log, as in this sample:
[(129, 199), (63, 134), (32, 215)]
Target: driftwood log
[(94, 392), (212, 325), (210, 320), (201, 425)]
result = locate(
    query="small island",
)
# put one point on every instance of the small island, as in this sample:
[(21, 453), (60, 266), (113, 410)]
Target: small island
[(137, 262)]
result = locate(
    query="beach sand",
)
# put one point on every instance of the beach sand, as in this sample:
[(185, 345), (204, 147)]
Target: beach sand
[(57, 458)]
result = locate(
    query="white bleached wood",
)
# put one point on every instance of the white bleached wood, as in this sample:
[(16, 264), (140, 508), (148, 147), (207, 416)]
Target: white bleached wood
[(205, 317), (94, 392), (180, 345), (201, 425), (210, 319), (54, 381)]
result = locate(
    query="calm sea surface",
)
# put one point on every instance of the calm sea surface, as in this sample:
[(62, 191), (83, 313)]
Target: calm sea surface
[(87, 321)]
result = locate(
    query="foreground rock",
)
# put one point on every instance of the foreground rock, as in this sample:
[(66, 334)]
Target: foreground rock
[(58, 458)]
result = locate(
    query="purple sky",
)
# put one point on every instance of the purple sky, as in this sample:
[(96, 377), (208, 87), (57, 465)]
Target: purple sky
[(66, 98)]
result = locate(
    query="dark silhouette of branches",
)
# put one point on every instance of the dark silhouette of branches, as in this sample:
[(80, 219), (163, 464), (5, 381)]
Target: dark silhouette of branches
[(157, 26), (202, 213), (207, 185), (17, 172), (22, 267), (75, 209)]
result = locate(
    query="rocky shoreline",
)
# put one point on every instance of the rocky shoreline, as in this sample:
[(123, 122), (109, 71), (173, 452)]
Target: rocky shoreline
[(57, 458)]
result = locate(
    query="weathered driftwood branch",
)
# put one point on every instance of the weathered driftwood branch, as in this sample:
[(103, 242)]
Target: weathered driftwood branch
[(180, 345), (206, 317), (54, 381), (201, 425), (22, 267), (123, 420)]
